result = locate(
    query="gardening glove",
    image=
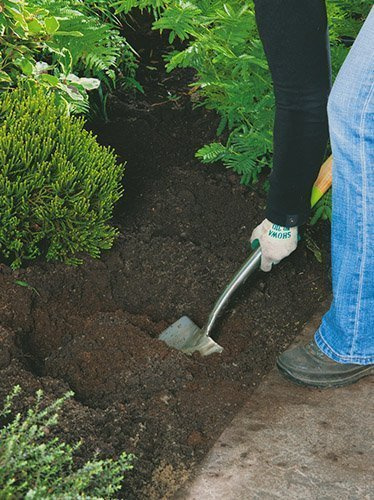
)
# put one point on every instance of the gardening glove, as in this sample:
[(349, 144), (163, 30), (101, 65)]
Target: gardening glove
[(276, 242)]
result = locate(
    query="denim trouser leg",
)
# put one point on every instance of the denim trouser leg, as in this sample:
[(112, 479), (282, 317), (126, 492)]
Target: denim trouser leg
[(347, 330)]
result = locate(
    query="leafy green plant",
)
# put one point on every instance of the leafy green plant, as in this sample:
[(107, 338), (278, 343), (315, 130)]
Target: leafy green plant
[(223, 46), (312, 245), (58, 186), (52, 42), (323, 209), (34, 466), (26, 285), (153, 6), (101, 51)]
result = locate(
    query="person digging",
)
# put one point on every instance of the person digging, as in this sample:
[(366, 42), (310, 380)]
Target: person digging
[(294, 35)]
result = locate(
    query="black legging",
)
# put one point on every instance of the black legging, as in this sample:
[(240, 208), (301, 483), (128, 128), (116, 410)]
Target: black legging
[(295, 40)]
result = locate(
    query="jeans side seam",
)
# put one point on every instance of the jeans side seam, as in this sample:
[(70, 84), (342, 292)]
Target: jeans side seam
[(326, 348), (364, 217)]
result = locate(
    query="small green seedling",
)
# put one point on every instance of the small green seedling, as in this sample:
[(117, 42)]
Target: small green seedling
[(27, 285)]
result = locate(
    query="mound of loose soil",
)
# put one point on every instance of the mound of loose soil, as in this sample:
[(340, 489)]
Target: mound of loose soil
[(184, 231)]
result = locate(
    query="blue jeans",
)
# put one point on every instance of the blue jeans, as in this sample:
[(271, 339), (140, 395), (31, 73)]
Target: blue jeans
[(346, 333)]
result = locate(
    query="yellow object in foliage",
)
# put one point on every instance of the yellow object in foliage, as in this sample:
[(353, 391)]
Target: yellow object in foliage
[(323, 182)]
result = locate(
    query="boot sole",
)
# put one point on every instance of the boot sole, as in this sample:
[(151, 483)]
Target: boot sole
[(326, 384)]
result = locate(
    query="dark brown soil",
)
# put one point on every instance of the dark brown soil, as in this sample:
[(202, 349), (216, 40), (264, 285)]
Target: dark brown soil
[(184, 230)]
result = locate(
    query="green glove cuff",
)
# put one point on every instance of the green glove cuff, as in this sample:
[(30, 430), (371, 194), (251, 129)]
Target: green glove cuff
[(255, 244)]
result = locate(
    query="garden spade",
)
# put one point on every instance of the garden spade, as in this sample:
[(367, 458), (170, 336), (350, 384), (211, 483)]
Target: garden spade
[(185, 335)]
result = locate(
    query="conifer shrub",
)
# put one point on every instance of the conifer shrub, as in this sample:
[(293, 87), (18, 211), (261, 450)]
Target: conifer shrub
[(35, 465), (58, 186)]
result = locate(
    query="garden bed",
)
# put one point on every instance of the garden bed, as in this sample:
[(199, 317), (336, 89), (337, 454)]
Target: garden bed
[(185, 229)]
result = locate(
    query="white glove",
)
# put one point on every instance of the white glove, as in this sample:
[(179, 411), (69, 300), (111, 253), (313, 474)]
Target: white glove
[(276, 242)]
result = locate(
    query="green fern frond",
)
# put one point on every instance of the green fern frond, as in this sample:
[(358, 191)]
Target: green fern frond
[(124, 6), (98, 48), (179, 19), (211, 153)]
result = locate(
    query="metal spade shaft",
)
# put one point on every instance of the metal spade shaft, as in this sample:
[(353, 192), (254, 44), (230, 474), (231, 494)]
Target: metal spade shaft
[(246, 270)]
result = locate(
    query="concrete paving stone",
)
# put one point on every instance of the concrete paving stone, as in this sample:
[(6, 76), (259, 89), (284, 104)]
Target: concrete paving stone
[(291, 442)]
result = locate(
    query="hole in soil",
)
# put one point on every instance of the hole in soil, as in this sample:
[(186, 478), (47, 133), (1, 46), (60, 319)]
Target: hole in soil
[(184, 232), (31, 361)]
